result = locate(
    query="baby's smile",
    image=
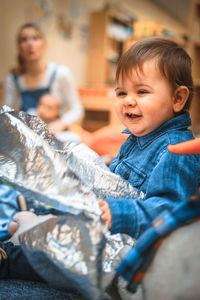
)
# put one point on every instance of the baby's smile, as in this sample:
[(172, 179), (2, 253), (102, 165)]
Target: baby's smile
[(132, 116)]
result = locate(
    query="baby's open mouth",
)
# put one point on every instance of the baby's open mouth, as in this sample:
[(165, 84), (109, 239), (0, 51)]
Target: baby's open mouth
[(132, 116)]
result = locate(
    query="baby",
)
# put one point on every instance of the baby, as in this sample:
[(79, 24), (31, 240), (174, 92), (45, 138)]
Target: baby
[(154, 90), (48, 110)]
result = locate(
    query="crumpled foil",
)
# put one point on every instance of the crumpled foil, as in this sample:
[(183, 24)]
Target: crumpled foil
[(69, 177)]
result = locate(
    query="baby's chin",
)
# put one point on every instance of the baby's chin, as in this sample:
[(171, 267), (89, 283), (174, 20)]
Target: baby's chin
[(143, 130), (139, 134)]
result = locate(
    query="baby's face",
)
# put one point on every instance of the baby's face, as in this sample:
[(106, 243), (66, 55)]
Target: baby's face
[(144, 100), (48, 108)]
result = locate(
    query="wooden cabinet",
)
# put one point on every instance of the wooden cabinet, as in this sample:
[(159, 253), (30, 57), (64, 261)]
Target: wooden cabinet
[(99, 112), (99, 105), (194, 49), (107, 32)]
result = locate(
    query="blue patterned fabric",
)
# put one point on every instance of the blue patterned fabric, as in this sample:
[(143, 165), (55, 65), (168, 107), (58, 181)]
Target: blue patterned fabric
[(136, 262), (9, 206), (30, 97)]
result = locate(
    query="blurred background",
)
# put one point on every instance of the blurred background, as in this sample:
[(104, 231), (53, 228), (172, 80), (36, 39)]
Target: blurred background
[(90, 36)]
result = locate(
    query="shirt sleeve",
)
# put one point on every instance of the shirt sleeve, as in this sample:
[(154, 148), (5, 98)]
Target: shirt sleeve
[(72, 109), (11, 95), (174, 179)]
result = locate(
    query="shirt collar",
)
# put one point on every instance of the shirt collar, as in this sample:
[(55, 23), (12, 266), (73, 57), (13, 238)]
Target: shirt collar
[(179, 122)]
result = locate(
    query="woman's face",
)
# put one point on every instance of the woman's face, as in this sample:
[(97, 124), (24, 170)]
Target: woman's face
[(31, 44)]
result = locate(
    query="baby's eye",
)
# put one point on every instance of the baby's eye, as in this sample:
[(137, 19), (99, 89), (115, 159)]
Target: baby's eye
[(141, 92), (121, 94)]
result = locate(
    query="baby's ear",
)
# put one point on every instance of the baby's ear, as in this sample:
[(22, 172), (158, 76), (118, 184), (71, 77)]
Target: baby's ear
[(181, 95)]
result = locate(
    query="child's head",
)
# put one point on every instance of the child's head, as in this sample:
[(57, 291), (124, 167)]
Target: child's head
[(49, 107), (154, 84)]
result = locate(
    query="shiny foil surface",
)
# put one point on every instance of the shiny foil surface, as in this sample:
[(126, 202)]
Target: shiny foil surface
[(73, 248), (70, 178)]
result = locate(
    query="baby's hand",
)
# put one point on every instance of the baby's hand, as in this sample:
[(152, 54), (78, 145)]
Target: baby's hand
[(20, 218), (25, 217), (56, 126), (106, 215)]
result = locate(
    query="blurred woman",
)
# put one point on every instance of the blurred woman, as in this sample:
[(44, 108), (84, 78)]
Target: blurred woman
[(33, 77)]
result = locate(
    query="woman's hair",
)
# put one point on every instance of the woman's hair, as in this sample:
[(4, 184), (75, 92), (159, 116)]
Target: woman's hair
[(173, 62), (20, 61)]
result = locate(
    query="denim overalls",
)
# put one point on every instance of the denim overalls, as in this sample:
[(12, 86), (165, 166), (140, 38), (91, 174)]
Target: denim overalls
[(30, 97)]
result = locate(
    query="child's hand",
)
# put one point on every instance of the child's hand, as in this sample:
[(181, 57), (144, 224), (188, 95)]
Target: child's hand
[(25, 217), (106, 215), (19, 218), (56, 126)]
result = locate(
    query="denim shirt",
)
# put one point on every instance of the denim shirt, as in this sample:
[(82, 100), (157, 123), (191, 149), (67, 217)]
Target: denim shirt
[(165, 178)]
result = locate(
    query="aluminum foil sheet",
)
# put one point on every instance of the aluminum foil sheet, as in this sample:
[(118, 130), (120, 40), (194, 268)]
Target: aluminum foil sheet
[(93, 173), (66, 251), (69, 177), (33, 159), (31, 165)]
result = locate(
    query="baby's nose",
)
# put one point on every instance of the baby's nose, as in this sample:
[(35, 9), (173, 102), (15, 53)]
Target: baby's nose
[(130, 100)]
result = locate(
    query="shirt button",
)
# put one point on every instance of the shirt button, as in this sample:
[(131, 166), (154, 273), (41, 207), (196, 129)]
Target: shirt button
[(126, 176), (121, 156)]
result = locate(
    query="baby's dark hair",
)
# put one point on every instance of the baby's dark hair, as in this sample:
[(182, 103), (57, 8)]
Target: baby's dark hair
[(173, 62)]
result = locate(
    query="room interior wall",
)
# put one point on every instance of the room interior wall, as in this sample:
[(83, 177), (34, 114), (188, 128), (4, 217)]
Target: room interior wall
[(65, 24)]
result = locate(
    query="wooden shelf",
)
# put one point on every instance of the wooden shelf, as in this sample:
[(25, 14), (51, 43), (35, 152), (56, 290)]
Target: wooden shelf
[(104, 51), (105, 46), (93, 125), (196, 82), (133, 39), (100, 104)]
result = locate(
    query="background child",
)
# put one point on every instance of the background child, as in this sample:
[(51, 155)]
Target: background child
[(48, 110), (105, 141), (153, 95)]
